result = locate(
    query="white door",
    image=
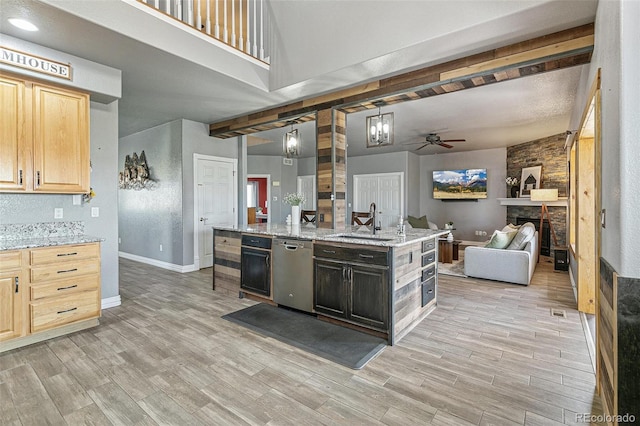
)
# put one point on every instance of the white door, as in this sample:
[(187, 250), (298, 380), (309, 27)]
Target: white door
[(386, 190), (307, 187), (216, 188)]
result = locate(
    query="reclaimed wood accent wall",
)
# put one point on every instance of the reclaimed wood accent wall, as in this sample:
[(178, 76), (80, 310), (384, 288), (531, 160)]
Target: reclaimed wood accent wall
[(331, 167), (547, 53), (226, 262), (607, 338)]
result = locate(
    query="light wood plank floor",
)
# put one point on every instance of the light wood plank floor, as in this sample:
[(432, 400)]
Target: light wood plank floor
[(490, 354)]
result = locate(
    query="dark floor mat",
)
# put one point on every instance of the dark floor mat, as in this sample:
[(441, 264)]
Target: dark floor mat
[(342, 345)]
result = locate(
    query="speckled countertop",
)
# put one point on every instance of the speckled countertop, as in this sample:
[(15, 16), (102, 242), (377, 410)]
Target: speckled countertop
[(45, 234), (387, 237)]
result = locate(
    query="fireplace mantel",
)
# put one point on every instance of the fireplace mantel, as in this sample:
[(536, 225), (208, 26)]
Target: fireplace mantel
[(562, 202)]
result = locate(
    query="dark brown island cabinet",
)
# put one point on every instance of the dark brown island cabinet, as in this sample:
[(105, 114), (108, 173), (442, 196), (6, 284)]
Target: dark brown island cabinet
[(383, 286)]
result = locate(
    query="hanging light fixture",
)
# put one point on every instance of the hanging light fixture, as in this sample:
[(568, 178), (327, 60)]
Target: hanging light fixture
[(291, 143), (380, 129)]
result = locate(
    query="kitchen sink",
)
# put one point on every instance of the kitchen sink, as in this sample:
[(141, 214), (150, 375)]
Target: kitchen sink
[(362, 237)]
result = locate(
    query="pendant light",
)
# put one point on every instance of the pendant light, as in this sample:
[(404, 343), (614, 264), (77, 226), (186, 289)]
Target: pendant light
[(380, 129), (291, 143)]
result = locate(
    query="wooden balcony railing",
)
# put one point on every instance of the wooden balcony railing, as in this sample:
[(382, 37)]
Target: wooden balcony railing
[(241, 24)]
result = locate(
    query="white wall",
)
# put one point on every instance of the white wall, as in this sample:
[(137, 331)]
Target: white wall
[(616, 53), (467, 216)]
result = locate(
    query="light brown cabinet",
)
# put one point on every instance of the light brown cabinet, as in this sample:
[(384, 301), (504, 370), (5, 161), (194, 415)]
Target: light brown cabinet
[(44, 138), (42, 290), (12, 288)]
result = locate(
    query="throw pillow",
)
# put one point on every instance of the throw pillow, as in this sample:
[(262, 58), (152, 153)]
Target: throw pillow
[(501, 239), (420, 222), (511, 227), (523, 236)]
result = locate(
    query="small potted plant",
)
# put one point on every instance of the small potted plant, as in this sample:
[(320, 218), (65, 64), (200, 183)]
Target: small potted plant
[(294, 200)]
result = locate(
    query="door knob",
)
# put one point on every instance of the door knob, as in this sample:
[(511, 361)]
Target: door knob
[(203, 219)]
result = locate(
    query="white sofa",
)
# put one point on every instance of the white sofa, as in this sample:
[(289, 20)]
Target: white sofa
[(512, 266)]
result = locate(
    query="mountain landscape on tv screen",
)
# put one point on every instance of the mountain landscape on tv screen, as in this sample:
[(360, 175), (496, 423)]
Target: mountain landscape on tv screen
[(460, 184)]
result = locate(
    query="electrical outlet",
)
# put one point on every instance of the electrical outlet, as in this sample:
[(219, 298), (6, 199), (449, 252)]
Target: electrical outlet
[(160, 247), (58, 213), (484, 233), (275, 198), (95, 212), (321, 217), (119, 240), (77, 199)]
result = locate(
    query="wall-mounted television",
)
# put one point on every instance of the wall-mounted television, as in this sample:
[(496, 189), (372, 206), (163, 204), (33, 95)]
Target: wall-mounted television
[(465, 184)]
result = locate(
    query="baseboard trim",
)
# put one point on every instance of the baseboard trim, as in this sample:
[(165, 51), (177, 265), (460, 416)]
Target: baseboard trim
[(111, 302), (591, 346), (159, 263)]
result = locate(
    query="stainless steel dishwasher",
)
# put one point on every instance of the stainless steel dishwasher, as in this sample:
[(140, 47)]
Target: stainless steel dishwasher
[(293, 273)]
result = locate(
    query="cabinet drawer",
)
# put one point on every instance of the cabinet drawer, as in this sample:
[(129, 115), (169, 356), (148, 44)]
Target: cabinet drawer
[(429, 272), (428, 245), (64, 270), (10, 260), (428, 291), (371, 257), (49, 313), (63, 287), (428, 258), (255, 241), (64, 253)]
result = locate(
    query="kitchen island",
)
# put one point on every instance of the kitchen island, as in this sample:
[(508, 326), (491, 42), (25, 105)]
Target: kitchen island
[(383, 284)]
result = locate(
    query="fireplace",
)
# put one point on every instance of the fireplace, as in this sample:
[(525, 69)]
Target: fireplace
[(545, 235)]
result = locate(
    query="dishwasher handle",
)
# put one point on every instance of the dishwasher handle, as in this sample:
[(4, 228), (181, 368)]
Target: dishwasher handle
[(291, 247)]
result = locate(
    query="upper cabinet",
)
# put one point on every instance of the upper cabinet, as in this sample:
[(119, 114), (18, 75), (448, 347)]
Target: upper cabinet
[(12, 135), (45, 138)]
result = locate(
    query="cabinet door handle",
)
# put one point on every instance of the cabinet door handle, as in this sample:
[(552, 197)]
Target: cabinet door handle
[(67, 310), (67, 287), (329, 251), (365, 256), (68, 270), (266, 260), (37, 178), (66, 254), (19, 177), (17, 282)]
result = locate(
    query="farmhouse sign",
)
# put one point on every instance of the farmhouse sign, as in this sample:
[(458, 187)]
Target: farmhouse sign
[(34, 63)]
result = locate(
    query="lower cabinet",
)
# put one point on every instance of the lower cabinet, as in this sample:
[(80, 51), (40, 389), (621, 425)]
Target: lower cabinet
[(356, 292), (49, 288), (255, 265), (12, 287)]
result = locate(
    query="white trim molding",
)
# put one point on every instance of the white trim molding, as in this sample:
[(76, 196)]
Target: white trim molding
[(159, 263), (111, 302)]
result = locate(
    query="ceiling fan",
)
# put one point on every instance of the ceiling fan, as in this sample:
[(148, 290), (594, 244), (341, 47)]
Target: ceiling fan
[(434, 139)]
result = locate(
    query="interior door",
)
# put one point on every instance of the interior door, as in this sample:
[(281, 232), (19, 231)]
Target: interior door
[(386, 190), (307, 187), (217, 195)]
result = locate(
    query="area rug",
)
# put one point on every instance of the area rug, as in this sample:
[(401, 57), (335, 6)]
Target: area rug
[(342, 345)]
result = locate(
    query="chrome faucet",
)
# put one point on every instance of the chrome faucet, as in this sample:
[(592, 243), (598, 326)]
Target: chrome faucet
[(372, 215)]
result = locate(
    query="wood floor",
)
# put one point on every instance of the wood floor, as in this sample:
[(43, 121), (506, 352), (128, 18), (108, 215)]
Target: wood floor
[(490, 354)]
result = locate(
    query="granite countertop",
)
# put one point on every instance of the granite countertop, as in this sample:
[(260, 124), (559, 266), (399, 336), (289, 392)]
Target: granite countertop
[(25, 243), (387, 237)]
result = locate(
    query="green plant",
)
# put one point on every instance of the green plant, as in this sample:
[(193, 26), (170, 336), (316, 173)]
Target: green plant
[(294, 199)]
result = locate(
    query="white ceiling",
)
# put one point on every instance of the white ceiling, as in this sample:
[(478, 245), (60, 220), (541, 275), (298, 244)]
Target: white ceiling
[(168, 81)]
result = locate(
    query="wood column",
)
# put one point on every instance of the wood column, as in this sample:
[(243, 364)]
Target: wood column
[(331, 168)]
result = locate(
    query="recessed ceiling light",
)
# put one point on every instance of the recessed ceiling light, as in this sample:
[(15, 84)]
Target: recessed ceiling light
[(22, 24)]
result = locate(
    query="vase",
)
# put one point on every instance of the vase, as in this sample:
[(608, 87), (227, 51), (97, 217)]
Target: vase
[(450, 237), (514, 191), (295, 215)]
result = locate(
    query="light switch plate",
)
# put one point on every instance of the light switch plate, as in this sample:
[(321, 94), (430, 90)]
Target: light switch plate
[(58, 213), (95, 211)]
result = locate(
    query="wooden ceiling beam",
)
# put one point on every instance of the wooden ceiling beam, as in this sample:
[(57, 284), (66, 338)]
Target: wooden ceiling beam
[(550, 52)]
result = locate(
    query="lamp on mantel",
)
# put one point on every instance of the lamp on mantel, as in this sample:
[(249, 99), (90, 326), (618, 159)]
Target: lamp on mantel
[(545, 195)]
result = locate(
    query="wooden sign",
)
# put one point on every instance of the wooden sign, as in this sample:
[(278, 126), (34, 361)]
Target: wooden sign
[(34, 63)]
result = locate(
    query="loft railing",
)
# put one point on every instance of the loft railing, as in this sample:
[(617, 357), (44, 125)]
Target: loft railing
[(241, 24)]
